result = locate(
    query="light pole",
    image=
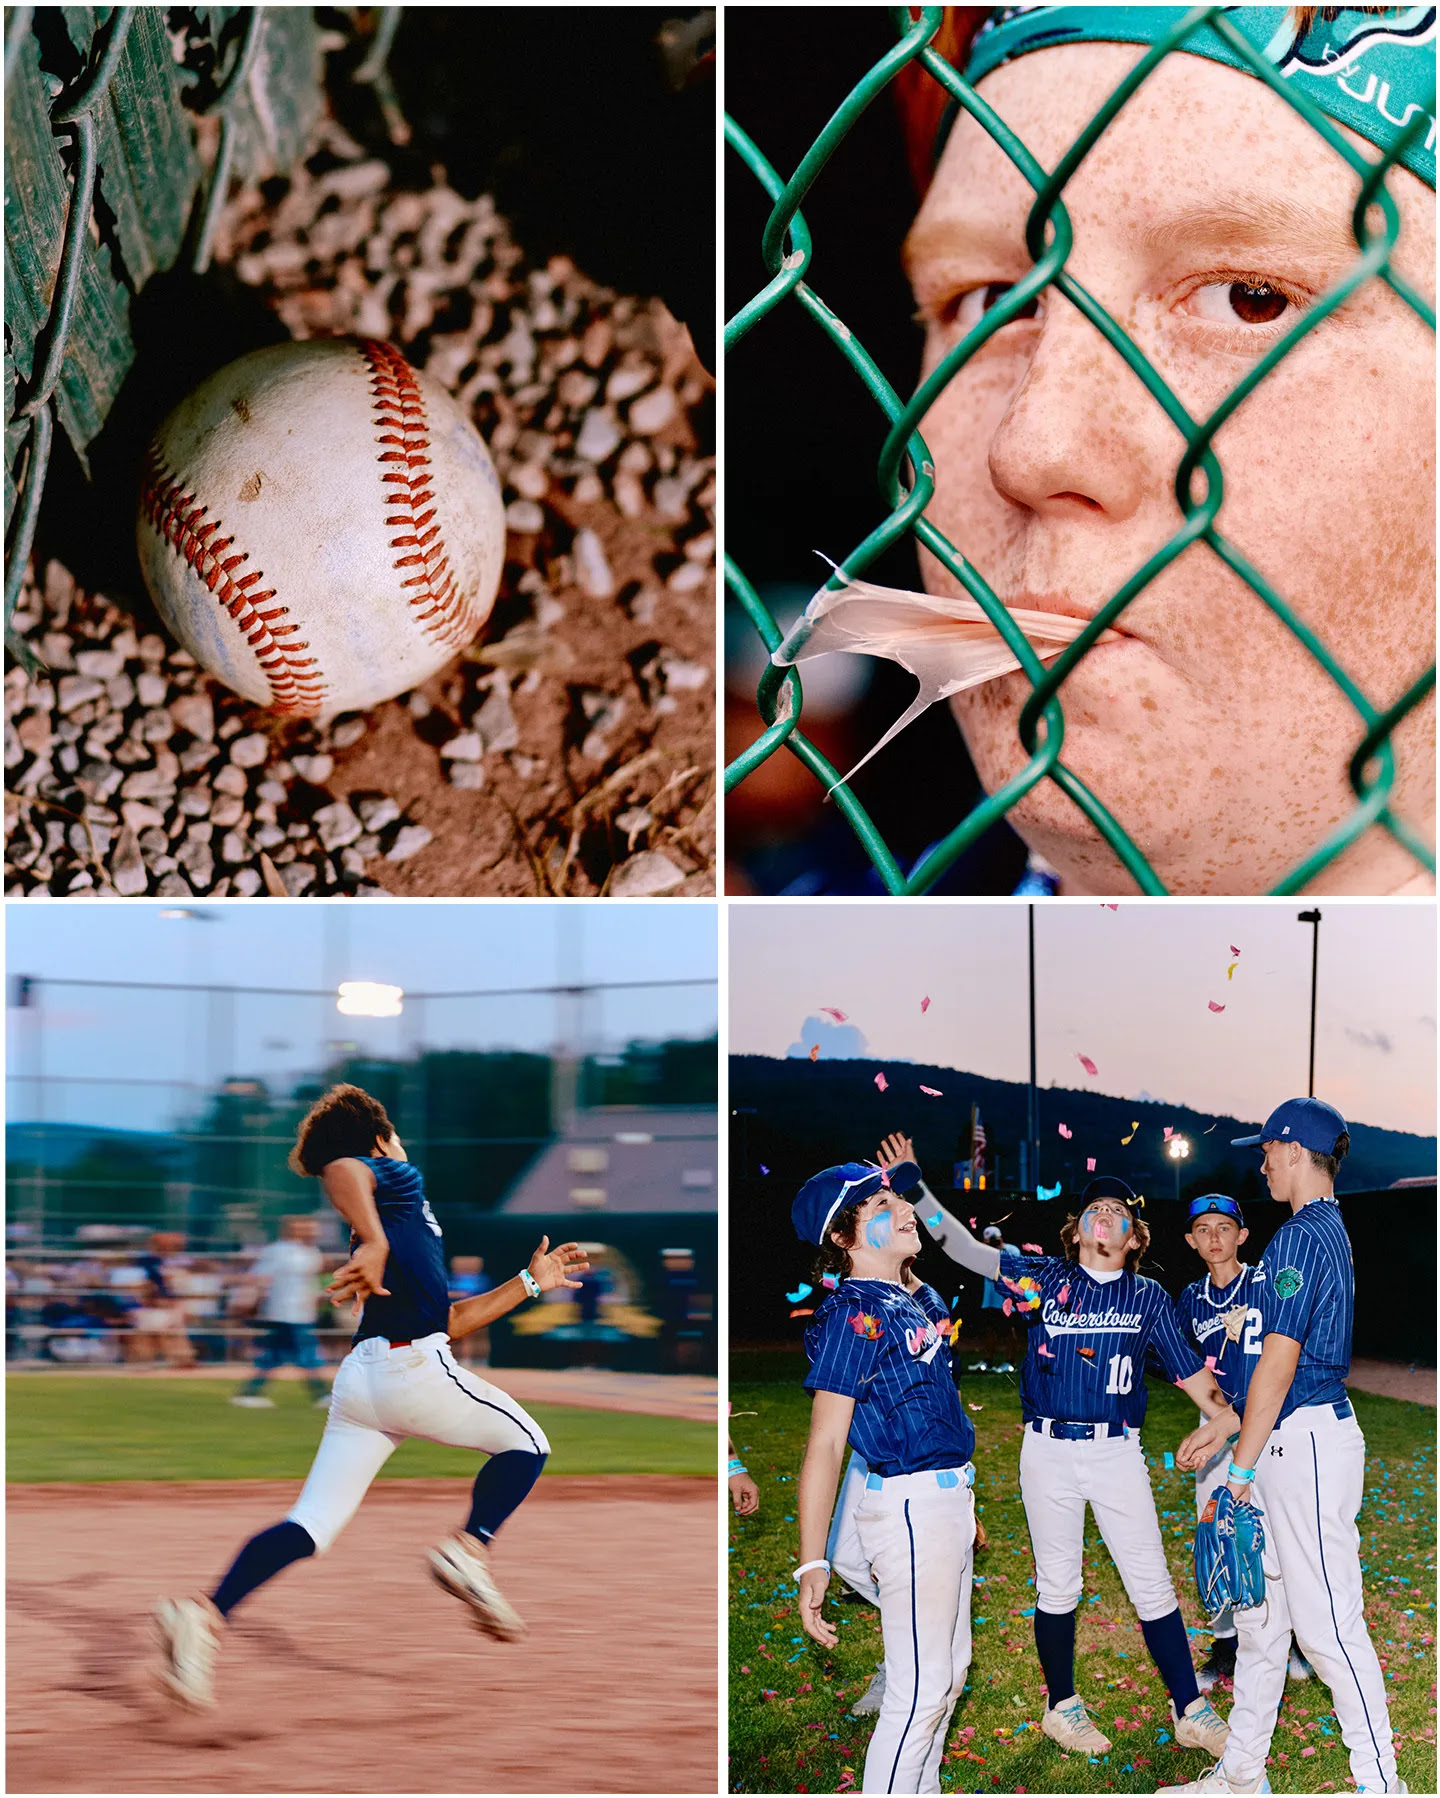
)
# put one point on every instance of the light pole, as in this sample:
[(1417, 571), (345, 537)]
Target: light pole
[(1178, 1149), (1030, 1175), (1313, 918)]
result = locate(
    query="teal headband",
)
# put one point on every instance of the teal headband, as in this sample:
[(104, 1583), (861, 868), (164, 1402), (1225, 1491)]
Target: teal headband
[(1373, 71)]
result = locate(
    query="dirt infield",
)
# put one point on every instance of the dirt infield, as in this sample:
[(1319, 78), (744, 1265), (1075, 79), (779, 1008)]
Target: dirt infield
[(355, 1673), (1392, 1380)]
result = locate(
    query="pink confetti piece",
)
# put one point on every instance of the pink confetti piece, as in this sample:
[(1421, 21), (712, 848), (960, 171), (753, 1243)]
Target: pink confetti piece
[(1066, 1132), (1089, 1164), (1043, 1350), (1233, 949), (1169, 1131), (1086, 1063), (977, 1407), (972, 1223), (882, 1083), (1032, 1248), (1063, 1294), (1210, 1362), (830, 1012), (1215, 1007), (1106, 906), (932, 1092), (924, 1006), (1008, 1306)]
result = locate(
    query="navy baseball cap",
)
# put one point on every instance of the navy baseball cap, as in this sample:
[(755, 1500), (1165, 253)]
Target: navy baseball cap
[(1310, 1122), (1106, 1186), (1217, 1201), (829, 1191)]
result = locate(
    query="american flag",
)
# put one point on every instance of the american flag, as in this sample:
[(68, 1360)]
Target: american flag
[(977, 1143)]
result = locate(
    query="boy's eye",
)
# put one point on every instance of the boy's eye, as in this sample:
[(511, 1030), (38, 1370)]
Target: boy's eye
[(967, 309), (1240, 302)]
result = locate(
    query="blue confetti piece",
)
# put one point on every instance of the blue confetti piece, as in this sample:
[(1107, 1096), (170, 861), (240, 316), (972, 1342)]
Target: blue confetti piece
[(935, 1222), (1162, 1737), (1169, 1461), (802, 1292)]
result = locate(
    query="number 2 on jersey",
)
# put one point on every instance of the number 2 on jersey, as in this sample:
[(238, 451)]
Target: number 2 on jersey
[(1120, 1374)]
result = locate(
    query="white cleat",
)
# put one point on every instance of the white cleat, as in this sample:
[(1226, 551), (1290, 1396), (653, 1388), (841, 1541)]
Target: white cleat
[(868, 1705), (1202, 1726), (253, 1401), (462, 1567), (189, 1632), (1217, 1780), (1069, 1724)]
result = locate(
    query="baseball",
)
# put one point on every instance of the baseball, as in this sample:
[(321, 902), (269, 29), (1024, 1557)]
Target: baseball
[(321, 526)]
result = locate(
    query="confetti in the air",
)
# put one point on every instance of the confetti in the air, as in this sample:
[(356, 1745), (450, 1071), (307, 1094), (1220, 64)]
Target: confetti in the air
[(830, 1281), (814, 1051), (1214, 1126), (1106, 906), (1088, 1353), (932, 1092), (1233, 949), (924, 1006), (1215, 1007), (803, 1292), (977, 1407), (1086, 1063), (935, 1222), (1063, 1294), (1089, 1164), (1043, 1350), (1210, 1362), (1230, 971), (1066, 1132), (1169, 1131), (868, 1327), (1032, 1248), (830, 1012), (882, 1083), (1008, 1306), (763, 1168), (1131, 1137), (1048, 1192)]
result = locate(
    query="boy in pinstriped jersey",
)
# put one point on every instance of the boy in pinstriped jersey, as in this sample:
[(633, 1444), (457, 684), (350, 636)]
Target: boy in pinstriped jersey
[(1297, 1419)]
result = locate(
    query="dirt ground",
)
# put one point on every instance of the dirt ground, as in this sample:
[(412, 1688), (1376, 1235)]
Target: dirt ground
[(355, 1673), (1392, 1380)]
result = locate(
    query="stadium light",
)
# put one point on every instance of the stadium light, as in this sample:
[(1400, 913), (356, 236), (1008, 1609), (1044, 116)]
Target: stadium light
[(1177, 1149), (369, 999)]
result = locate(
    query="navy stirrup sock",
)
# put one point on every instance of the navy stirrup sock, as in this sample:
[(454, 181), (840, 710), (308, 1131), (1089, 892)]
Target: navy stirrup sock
[(260, 1559), (1170, 1650), (1055, 1644), (500, 1485)]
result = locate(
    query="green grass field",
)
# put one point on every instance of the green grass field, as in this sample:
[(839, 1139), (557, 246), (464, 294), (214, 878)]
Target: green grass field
[(789, 1731), (73, 1427)]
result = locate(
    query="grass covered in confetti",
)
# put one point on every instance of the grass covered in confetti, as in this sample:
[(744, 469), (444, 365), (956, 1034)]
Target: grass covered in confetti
[(789, 1727)]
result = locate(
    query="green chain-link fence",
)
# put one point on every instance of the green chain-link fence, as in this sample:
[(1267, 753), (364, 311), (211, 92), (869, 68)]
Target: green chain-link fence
[(905, 469)]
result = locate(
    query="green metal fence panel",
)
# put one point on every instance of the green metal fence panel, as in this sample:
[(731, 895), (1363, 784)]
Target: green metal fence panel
[(905, 469)]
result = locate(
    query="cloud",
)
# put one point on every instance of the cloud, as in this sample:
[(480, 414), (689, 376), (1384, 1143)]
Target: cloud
[(1144, 1098), (838, 1042), (1371, 1039)]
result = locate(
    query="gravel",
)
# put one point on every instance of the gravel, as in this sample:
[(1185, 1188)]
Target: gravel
[(129, 771)]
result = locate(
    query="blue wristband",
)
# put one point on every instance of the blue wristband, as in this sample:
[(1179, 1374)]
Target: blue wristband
[(1240, 1476)]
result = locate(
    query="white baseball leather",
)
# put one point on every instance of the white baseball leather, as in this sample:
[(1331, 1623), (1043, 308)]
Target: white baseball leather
[(321, 526)]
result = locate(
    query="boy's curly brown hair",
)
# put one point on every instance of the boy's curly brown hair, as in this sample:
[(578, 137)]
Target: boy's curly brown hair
[(1139, 1241), (834, 1257), (347, 1121)]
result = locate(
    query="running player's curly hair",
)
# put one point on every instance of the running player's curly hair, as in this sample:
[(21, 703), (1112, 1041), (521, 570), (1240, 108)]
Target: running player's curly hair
[(1139, 1241), (834, 1257), (347, 1121)]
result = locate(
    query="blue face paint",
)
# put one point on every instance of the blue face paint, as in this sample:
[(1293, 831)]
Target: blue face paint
[(877, 1231), (1124, 1226)]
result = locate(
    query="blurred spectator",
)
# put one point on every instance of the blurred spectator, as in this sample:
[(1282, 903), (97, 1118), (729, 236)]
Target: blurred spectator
[(288, 1271), (468, 1280), (677, 1294), (201, 1291)]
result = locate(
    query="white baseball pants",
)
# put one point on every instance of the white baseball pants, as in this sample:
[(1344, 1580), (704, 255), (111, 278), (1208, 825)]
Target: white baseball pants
[(918, 1536), (381, 1396), (1310, 1484), (1057, 1480)]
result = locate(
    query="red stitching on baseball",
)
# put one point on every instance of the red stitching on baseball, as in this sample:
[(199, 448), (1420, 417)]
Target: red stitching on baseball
[(295, 685), (434, 594)]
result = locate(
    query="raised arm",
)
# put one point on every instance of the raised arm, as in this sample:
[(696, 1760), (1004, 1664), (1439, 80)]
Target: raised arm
[(548, 1269), (968, 1251), (819, 1477)]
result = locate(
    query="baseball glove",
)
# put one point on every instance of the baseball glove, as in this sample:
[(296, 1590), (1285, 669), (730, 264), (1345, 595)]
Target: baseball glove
[(1229, 1544)]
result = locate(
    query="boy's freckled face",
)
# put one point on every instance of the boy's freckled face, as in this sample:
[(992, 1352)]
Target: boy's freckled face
[(1207, 219)]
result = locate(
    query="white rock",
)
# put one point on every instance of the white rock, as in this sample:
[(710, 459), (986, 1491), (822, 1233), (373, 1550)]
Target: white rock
[(495, 721), (628, 380), (411, 840), (524, 517), (126, 868), (249, 751), (317, 769), (467, 775), (375, 814), (102, 664), (685, 677), (150, 689), (226, 811), (465, 748), (142, 817), (686, 578), (348, 734), (337, 826), (600, 435), (652, 412), (232, 780), (196, 713), (297, 876), (77, 690), (592, 570), (646, 874), (247, 882)]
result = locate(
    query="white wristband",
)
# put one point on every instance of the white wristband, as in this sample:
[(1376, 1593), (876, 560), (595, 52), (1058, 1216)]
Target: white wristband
[(530, 1283), (809, 1566)]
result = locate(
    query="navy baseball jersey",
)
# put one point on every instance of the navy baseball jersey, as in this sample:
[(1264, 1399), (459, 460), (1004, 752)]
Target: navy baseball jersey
[(419, 1301), (1088, 1339), (1309, 1295), (1225, 1325), (889, 1350)]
